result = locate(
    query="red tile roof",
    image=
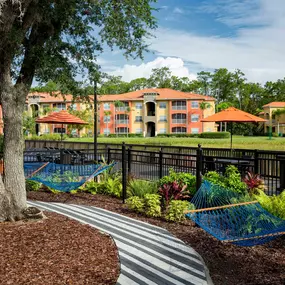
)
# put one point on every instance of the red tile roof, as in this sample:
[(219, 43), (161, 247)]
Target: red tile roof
[(275, 105), (46, 97), (163, 94)]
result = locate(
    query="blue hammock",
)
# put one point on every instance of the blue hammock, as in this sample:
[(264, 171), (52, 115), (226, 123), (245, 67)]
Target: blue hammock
[(31, 167), (232, 218), (65, 177)]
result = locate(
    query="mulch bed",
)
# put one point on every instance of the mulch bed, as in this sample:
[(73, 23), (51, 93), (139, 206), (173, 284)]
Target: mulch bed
[(228, 264), (56, 251)]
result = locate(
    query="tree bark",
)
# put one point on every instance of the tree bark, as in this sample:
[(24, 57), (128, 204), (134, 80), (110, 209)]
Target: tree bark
[(13, 192)]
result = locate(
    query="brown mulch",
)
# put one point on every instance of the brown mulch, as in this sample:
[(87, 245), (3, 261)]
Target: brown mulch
[(228, 264), (56, 251)]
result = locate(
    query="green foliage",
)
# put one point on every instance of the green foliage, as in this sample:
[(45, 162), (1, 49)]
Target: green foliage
[(215, 135), (111, 186), (125, 135), (231, 180), (136, 204), (49, 137), (179, 135), (90, 187), (176, 210), (181, 178), (85, 115), (32, 185), (152, 205), (138, 187), (29, 124), (273, 204)]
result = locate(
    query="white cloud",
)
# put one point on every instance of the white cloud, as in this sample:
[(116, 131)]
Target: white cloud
[(178, 10), (257, 49), (176, 66)]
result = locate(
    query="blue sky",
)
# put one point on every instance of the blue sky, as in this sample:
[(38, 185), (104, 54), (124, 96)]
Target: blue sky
[(195, 35)]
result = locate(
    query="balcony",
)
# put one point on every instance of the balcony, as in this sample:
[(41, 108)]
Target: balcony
[(178, 121), (175, 108), (125, 122), (122, 109)]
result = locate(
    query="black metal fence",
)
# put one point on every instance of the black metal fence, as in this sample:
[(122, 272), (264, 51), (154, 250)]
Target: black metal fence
[(153, 162)]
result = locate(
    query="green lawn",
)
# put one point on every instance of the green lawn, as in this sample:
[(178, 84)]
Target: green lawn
[(238, 142)]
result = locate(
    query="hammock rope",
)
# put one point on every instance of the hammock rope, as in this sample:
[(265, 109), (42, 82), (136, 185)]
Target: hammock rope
[(64, 177), (230, 217)]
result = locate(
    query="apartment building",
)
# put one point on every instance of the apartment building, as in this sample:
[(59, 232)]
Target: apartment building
[(155, 111), (276, 123)]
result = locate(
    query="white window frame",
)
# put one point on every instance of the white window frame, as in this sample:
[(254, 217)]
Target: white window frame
[(179, 105), (139, 106), (162, 118), (179, 132), (106, 131), (195, 105), (107, 119), (195, 131), (125, 130), (180, 118), (106, 106), (162, 131), (141, 119), (162, 105), (195, 118), (139, 131)]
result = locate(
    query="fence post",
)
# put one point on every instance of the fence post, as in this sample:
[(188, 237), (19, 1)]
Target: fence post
[(256, 161), (108, 155), (160, 163), (199, 166), (124, 173), (129, 159)]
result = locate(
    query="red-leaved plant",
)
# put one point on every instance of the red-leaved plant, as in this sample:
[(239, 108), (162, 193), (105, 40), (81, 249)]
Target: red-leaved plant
[(253, 182), (173, 191)]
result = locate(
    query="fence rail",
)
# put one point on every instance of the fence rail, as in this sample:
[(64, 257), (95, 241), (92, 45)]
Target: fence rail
[(154, 161)]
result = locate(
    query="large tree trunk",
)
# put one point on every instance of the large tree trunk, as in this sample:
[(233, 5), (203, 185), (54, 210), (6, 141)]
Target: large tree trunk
[(13, 192)]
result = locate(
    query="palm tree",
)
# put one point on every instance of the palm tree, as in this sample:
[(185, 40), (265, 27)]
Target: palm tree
[(277, 113), (107, 113), (117, 104), (203, 107), (127, 112)]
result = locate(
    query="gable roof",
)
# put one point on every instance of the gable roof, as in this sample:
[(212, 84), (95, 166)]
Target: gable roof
[(163, 94), (54, 97), (275, 105)]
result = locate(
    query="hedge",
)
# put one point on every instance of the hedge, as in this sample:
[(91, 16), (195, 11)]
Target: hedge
[(178, 135), (125, 135), (215, 135)]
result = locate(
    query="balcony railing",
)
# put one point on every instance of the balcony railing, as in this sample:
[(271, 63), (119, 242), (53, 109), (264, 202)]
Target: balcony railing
[(122, 109), (178, 107), (122, 122), (178, 121)]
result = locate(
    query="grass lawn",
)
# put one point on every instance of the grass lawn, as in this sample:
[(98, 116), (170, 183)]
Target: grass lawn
[(262, 143)]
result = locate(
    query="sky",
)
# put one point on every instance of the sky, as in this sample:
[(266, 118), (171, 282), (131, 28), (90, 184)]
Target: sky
[(196, 35)]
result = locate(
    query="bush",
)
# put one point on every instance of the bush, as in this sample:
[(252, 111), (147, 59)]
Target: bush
[(273, 204), (112, 187), (137, 187), (48, 137), (254, 183), (32, 185), (91, 187), (125, 135), (152, 205), (176, 210), (136, 204), (178, 135), (182, 178), (215, 135), (231, 180)]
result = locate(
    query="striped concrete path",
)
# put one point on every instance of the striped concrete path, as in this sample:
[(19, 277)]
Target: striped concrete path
[(149, 255)]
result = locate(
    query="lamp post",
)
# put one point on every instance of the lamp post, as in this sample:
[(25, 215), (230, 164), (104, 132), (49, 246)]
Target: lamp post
[(95, 120)]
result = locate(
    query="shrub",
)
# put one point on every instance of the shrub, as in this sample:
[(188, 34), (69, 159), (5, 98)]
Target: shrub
[(231, 180), (32, 185), (125, 135), (273, 204), (215, 135), (178, 135), (136, 204), (112, 187), (176, 210), (152, 205), (254, 183), (137, 187), (48, 137), (182, 178), (91, 187), (173, 191)]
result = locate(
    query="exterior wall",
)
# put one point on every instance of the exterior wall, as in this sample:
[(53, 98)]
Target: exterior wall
[(277, 124), (136, 112), (209, 127), (162, 112)]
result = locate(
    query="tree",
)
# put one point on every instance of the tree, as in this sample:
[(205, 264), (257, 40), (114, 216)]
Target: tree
[(205, 79), (138, 84), (107, 114), (204, 106), (117, 104), (160, 78), (114, 85), (127, 113), (277, 114), (56, 41)]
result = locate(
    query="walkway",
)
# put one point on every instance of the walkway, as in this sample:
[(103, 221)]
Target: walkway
[(149, 255)]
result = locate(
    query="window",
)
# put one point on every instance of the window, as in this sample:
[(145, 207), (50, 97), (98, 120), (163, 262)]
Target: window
[(179, 130), (194, 118), (162, 131), (179, 105), (138, 106), (106, 106), (73, 107), (162, 118), (59, 106), (139, 131), (209, 130), (122, 130), (194, 105), (59, 130), (179, 118), (122, 119), (107, 119), (106, 131), (124, 106), (138, 119), (162, 105), (194, 130)]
